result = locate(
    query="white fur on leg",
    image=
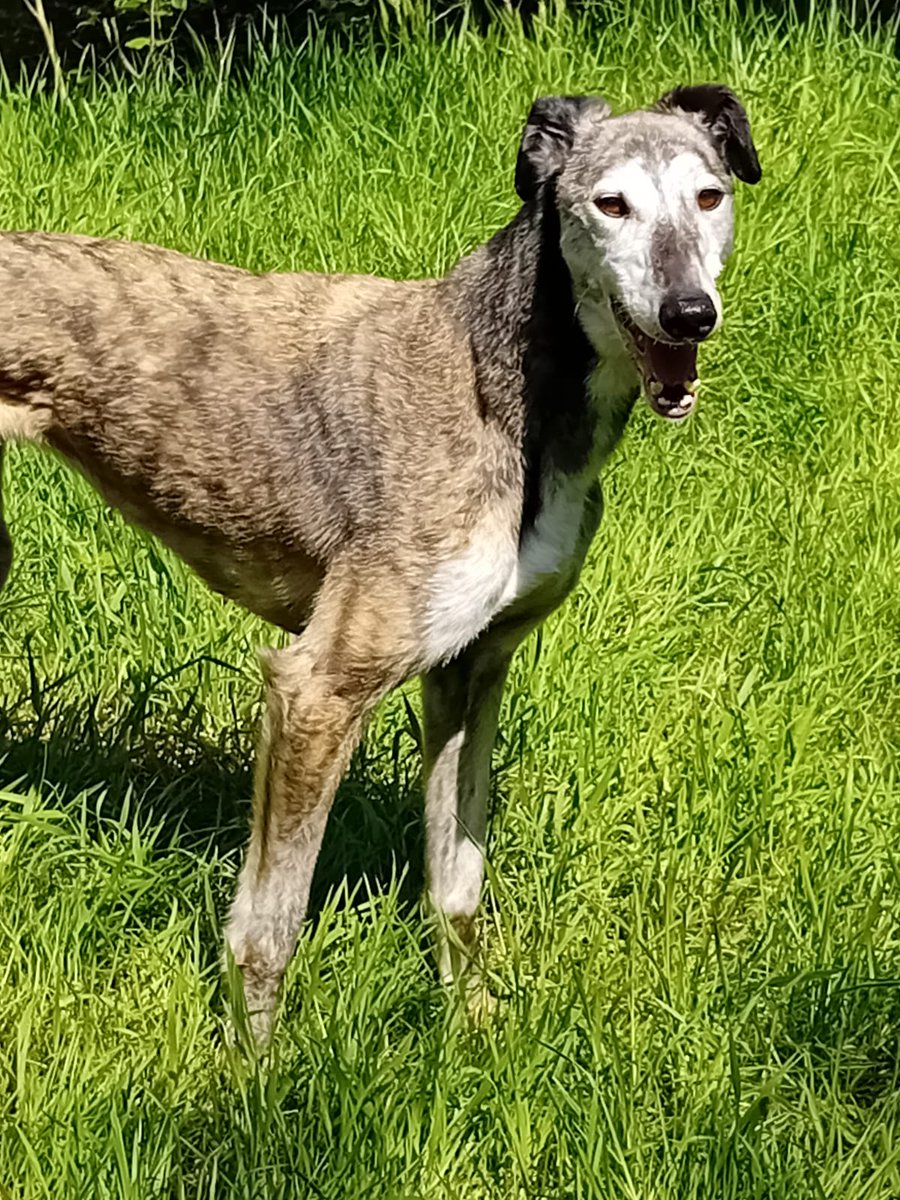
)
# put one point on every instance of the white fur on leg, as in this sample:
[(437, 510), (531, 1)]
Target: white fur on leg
[(265, 920), (455, 856), (462, 703)]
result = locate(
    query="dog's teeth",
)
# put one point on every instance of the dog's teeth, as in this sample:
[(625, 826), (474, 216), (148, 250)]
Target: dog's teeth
[(655, 387)]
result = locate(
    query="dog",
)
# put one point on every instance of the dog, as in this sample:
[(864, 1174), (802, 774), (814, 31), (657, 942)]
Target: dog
[(404, 475)]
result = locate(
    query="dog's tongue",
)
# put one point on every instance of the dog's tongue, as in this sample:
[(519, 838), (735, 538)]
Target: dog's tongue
[(672, 364)]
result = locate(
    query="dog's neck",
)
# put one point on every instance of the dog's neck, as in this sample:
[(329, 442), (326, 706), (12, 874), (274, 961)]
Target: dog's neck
[(537, 370)]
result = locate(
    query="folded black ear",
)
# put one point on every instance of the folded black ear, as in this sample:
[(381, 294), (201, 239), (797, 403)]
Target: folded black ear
[(724, 116), (548, 137)]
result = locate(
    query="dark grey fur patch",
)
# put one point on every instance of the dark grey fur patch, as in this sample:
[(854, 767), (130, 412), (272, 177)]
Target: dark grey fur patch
[(533, 360), (671, 252)]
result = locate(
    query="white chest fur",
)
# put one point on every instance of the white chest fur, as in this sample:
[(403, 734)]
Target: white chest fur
[(555, 545), (494, 572)]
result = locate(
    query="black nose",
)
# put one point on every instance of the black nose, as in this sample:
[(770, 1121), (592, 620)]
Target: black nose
[(687, 316)]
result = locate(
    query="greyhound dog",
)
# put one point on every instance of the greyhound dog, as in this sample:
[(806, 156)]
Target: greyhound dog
[(402, 474)]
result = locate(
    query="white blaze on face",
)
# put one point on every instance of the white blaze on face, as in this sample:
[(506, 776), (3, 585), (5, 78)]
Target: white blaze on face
[(613, 256)]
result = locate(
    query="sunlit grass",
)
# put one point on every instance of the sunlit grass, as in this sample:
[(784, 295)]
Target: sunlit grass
[(694, 918)]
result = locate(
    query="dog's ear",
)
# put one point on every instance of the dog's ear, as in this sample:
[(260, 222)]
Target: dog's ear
[(548, 137), (726, 122)]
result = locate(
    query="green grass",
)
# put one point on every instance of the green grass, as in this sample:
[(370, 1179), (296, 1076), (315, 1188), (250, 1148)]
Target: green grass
[(694, 910)]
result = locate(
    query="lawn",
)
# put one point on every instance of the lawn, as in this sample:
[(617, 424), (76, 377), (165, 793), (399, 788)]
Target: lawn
[(693, 916)]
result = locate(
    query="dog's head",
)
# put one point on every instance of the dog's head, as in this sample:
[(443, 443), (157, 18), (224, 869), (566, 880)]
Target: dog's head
[(645, 213)]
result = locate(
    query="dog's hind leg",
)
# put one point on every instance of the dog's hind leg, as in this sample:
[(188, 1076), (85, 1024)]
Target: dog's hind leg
[(319, 691), (5, 540), (461, 708)]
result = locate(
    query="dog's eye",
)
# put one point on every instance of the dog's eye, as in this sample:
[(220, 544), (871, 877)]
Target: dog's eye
[(709, 198), (613, 206)]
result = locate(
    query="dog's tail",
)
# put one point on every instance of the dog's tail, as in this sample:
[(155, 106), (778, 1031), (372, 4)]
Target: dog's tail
[(5, 542)]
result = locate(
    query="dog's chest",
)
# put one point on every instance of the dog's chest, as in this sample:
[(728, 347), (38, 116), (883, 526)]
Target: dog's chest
[(498, 575), (552, 551)]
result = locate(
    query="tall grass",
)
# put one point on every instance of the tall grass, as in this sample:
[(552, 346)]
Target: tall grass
[(694, 907)]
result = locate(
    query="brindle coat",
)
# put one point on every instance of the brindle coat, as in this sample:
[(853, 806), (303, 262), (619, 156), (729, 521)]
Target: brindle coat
[(404, 474)]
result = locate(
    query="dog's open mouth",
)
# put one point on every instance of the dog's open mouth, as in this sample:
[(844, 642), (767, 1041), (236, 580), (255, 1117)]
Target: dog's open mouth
[(669, 371)]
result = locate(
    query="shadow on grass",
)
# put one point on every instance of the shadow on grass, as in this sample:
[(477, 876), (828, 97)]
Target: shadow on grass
[(165, 770)]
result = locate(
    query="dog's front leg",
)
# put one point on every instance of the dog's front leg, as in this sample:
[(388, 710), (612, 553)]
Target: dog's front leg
[(313, 719), (461, 708)]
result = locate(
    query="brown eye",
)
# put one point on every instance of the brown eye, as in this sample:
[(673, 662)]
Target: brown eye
[(613, 206), (709, 198)]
